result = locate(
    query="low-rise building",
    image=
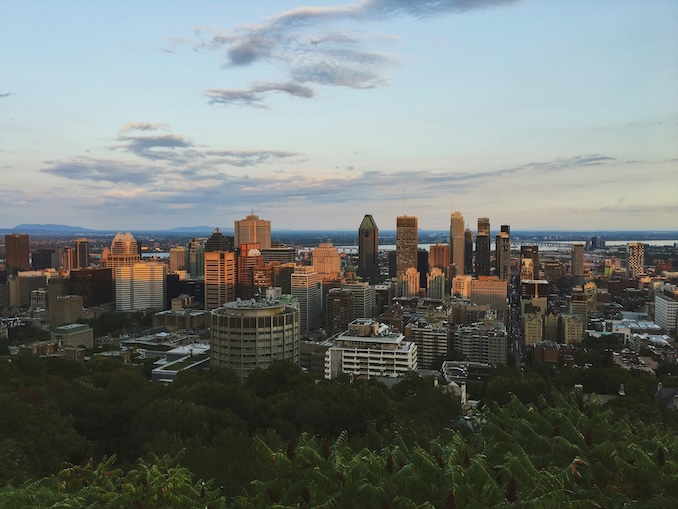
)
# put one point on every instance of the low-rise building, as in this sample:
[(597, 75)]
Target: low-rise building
[(75, 334)]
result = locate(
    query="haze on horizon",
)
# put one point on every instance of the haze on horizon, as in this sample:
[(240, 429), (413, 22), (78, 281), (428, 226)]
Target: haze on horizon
[(153, 115)]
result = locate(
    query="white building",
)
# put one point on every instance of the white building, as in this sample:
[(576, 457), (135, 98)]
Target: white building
[(140, 286), (364, 298), (368, 349), (431, 341), (306, 288), (666, 308)]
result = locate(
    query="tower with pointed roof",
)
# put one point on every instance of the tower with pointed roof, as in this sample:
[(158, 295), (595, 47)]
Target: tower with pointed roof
[(368, 249)]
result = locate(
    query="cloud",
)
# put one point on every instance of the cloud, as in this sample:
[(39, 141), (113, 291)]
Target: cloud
[(7, 94), (254, 96), (332, 57), (248, 157), (144, 126), (101, 170)]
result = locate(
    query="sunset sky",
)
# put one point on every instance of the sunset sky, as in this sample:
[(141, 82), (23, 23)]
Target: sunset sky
[(551, 114)]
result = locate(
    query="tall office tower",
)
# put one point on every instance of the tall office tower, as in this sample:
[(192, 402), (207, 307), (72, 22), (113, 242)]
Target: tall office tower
[(407, 243), (529, 262), (492, 291), (251, 230), (435, 287), (124, 251), (307, 288), (505, 228), (468, 251), (196, 259), (219, 278), (422, 267), (246, 335), (461, 286), (43, 259), (439, 256), (17, 254), (249, 257), (483, 247), (81, 253), (457, 247), (179, 258), (503, 256), (364, 298), (95, 286), (327, 261), (368, 249), (68, 259), (280, 254), (577, 264), (219, 242), (339, 311), (408, 283), (140, 286), (635, 259)]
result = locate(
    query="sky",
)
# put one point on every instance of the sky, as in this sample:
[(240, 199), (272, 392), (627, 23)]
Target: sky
[(149, 114)]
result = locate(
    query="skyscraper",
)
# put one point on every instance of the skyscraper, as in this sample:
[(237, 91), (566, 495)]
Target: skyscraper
[(249, 257), (306, 287), (407, 243), (219, 242), (219, 278), (529, 262), (635, 259), (17, 257), (483, 247), (81, 253), (368, 249), (439, 256), (179, 259), (252, 230), (327, 261), (457, 251), (468, 251), (140, 286), (577, 260), (503, 254), (124, 252)]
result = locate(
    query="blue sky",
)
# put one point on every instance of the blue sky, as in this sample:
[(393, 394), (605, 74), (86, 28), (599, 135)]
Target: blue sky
[(155, 114)]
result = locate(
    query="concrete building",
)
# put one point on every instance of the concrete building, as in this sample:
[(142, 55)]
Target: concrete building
[(435, 286), (364, 298), (182, 319), (482, 342), (439, 256), (17, 252), (571, 328), (246, 335), (65, 310), (368, 249), (492, 291), (577, 268), (339, 310), (529, 262), (533, 330), (431, 340), (666, 308), (369, 349), (312, 356), (306, 286), (22, 285), (461, 286), (635, 259), (196, 258), (468, 251), (220, 278), (75, 334), (327, 261), (249, 258), (279, 254), (140, 286), (457, 246), (407, 243), (408, 283), (252, 230), (179, 259)]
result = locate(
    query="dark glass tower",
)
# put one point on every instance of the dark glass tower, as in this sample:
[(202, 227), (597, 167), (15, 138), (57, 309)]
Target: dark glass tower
[(368, 249), (17, 255), (81, 253), (468, 251), (483, 247), (218, 242)]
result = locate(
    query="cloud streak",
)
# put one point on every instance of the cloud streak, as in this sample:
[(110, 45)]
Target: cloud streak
[(332, 58)]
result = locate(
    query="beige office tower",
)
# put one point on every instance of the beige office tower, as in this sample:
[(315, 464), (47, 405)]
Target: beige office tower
[(578, 260), (484, 226), (220, 278), (140, 286), (252, 230), (124, 252), (327, 261), (435, 288), (439, 256), (306, 286), (457, 243), (503, 256), (635, 259), (407, 243)]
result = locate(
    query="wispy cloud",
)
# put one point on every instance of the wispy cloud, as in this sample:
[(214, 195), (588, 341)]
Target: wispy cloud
[(102, 170), (144, 126), (6, 94), (333, 57)]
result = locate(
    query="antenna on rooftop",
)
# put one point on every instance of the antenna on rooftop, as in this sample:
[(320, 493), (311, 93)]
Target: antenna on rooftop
[(403, 201)]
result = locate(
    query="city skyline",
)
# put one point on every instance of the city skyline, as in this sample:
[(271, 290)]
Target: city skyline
[(147, 116)]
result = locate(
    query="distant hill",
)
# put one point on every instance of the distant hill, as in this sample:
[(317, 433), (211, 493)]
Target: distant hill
[(191, 229), (49, 228)]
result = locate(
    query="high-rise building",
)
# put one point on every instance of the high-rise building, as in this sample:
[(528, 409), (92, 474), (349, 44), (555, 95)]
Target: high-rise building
[(529, 262), (435, 288), (220, 278), (468, 251), (17, 253), (484, 226), (43, 259), (578, 261), (81, 253), (179, 259), (422, 267), (483, 247), (219, 242), (252, 230), (196, 258), (666, 308), (140, 286), (407, 243), (368, 249), (68, 258), (503, 255), (246, 335), (364, 298), (492, 291), (457, 246), (635, 259), (327, 261), (439, 256), (431, 341), (461, 286), (339, 310), (482, 342), (64, 310), (306, 288), (95, 286), (124, 252), (408, 283), (249, 257)]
